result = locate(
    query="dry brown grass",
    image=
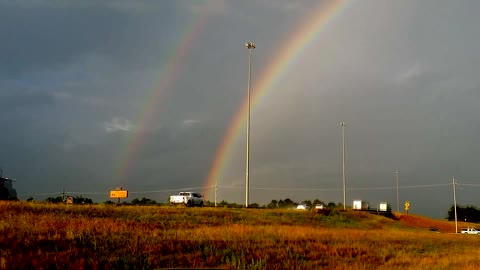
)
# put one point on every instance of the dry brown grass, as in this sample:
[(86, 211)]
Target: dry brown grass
[(99, 237), (428, 223)]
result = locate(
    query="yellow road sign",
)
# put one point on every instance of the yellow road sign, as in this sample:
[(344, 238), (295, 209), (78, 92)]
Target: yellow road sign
[(407, 205), (119, 194)]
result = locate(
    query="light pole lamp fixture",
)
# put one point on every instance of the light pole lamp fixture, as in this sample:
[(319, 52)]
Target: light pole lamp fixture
[(250, 45)]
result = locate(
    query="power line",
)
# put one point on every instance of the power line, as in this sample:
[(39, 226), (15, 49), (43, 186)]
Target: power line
[(40, 194), (431, 185), (467, 184), (471, 185), (339, 189)]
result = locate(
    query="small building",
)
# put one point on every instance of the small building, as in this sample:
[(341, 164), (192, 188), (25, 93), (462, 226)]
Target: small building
[(7, 192), (360, 205)]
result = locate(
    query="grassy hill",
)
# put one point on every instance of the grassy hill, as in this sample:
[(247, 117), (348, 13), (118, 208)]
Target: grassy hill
[(44, 236)]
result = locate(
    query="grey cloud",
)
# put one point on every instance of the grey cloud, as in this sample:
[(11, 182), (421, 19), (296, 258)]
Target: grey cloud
[(45, 37), (24, 100), (118, 124)]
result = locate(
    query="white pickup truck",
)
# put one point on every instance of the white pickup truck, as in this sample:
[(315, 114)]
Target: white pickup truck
[(470, 230), (187, 198)]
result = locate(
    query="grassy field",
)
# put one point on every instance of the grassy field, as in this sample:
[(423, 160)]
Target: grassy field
[(41, 236)]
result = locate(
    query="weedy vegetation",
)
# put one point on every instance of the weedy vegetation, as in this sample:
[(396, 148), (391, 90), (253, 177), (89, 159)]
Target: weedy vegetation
[(46, 236)]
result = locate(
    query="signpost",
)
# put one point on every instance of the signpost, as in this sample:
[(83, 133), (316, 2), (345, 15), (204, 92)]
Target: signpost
[(119, 193), (407, 206)]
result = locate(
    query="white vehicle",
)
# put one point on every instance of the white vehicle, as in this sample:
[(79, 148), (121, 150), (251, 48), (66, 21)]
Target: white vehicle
[(360, 205), (320, 206), (470, 230), (187, 198), (302, 207), (384, 207)]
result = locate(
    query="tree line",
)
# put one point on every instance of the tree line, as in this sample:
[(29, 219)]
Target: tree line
[(281, 204), (60, 199), (82, 200), (464, 213)]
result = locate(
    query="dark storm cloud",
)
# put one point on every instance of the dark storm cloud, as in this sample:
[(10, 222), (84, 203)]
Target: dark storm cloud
[(47, 37), (17, 100)]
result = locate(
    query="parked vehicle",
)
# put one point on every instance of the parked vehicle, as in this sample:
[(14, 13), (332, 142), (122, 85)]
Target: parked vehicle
[(360, 205), (187, 198), (470, 230), (384, 207), (302, 206)]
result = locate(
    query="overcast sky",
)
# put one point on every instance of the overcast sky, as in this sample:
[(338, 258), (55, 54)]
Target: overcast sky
[(76, 78)]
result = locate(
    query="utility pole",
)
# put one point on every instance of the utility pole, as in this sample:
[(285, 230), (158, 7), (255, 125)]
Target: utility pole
[(216, 181), (396, 176), (343, 166), (250, 46), (455, 204)]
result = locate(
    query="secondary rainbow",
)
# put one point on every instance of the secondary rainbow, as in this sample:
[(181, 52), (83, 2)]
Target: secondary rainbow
[(320, 18), (167, 76)]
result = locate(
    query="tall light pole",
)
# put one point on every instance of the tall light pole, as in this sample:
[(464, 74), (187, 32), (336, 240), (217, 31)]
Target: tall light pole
[(343, 166), (250, 46), (396, 176)]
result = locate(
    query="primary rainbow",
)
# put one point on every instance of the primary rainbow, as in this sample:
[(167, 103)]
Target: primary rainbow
[(167, 76), (321, 17)]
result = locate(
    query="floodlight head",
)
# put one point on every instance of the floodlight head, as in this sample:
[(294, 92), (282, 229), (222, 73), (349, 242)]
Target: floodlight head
[(250, 45)]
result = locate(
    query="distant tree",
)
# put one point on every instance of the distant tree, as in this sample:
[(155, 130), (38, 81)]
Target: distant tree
[(254, 205), (468, 213), (223, 203), (148, 201), (308, 203), (272, 204), (58, 199), (143, 201), (287, 203), (235, 205), (81, 200), (135, 201), (208, 203), (331, 205), (30, 199)]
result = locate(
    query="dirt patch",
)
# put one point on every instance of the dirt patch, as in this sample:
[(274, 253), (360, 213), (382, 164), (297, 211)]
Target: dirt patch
[(443, 226)]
